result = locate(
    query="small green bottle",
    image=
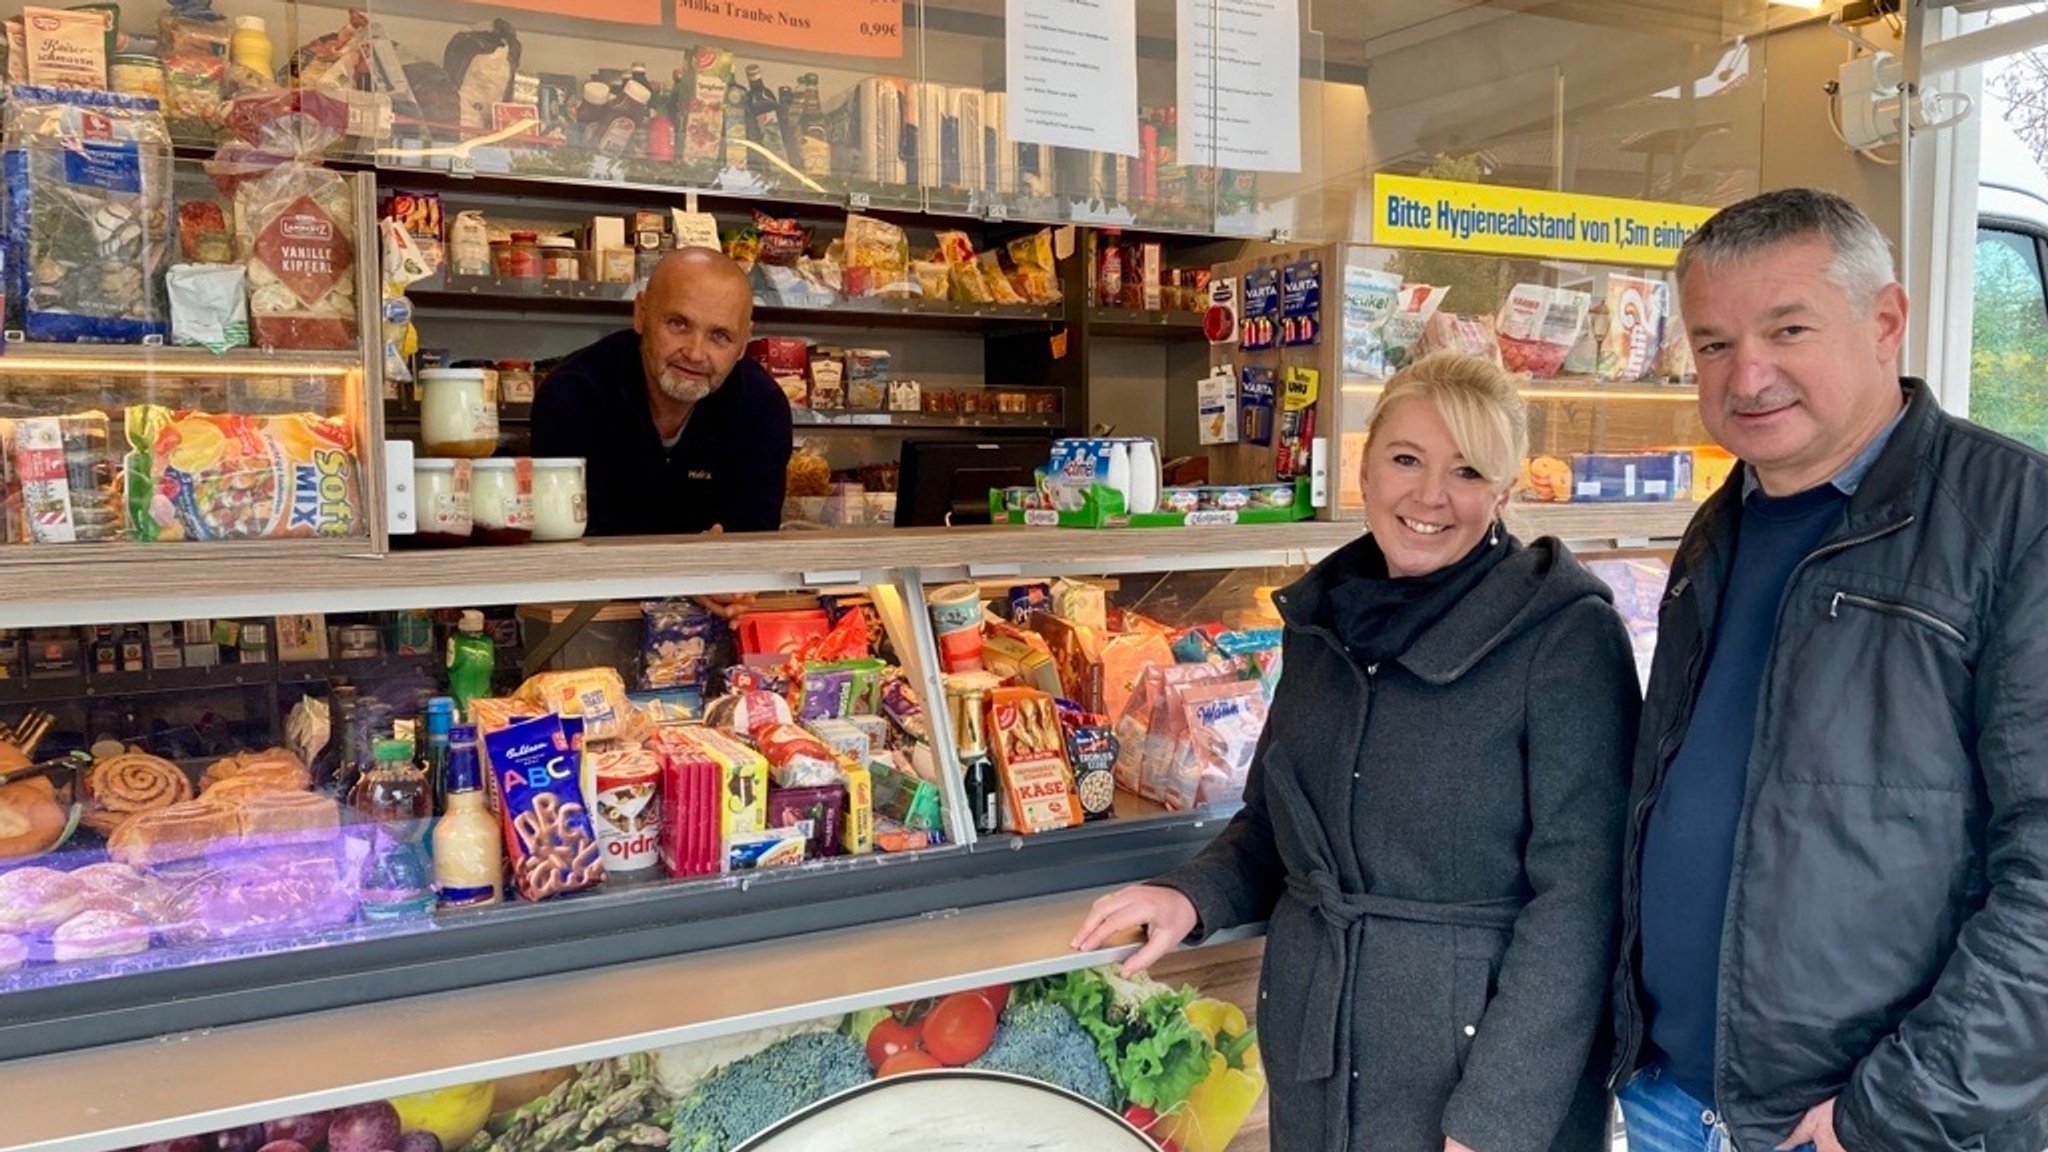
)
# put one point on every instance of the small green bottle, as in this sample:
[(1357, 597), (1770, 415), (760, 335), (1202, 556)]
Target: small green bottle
[(471, 660)]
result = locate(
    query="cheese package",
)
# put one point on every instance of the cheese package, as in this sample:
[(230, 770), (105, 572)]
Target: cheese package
[(1024, 732), (857, 830)]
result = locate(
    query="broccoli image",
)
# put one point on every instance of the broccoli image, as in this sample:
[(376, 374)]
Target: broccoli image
[(752, 1093), (1042, 1040)]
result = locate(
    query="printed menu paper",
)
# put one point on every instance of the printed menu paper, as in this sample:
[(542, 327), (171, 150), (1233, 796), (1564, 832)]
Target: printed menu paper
[(1239, 79), (1072, 69)]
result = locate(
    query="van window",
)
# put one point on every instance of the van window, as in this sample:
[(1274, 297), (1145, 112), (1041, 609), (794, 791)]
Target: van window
[(2009, 336)]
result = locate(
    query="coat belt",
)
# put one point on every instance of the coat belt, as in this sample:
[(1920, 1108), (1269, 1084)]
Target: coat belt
[(1342, 914)]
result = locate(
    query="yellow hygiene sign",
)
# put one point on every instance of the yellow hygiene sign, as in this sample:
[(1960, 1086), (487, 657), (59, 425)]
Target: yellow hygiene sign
[(1410, 212)]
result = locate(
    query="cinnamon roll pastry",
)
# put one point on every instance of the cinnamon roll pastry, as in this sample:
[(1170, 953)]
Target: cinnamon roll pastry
[(120, 786)]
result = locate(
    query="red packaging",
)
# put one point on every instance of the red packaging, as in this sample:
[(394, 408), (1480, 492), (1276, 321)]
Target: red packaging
[(795, 757), (689, 838), (787, 360), (780, 633), (823, 806)]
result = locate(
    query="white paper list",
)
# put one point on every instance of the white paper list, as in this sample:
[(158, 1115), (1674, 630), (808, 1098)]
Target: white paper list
[(1240, 84), (1072, 69)]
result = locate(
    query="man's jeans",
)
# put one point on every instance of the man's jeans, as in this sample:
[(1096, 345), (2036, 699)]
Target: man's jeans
[(1661, 1117)]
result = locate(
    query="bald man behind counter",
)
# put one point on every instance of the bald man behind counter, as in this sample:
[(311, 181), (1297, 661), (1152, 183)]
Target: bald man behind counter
[(681, 434)]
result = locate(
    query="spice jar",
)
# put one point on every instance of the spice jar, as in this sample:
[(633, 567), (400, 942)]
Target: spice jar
[(458, 415), (558, 259), (501, 501), (559, 510), (517, 257), (441, 494), (515, 381)]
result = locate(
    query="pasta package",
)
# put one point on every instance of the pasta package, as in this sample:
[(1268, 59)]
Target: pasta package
[(209, 476), (86, 178)]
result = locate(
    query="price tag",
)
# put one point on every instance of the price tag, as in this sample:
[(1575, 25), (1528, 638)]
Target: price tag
[(1213, 519), (857, 201), (1041, 518), (996, 213)]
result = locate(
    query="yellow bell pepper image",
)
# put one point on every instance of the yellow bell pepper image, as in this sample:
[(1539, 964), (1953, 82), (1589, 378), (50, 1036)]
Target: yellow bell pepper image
[(1209, 1118)]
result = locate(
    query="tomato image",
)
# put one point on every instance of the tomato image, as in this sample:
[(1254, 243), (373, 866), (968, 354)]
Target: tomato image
[(890, 1037), (908, 1060), (959, 1028)]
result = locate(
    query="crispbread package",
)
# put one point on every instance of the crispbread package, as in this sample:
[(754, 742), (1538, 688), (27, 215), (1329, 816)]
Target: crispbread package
[(87, 183)]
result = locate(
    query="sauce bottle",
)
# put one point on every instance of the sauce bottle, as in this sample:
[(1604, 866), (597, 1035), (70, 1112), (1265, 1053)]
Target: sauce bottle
[(249, 47), (623, 118), (469, 867)]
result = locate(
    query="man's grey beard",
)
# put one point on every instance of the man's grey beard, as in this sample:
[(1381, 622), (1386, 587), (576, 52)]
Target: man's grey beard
[(681, 389)]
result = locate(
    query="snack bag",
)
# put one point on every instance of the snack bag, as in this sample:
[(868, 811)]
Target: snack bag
[(877, 258), (597, 696), (294, 221), (1000, 290), (209, 306), (86, 180), (1638, 309), (968, 284), (1222, 722), (1030, 752), (1538, 326), (200, 476), (1401, 336), (796, 759), (677, 641), (1465, 335), (548, 834), (1037, 279)]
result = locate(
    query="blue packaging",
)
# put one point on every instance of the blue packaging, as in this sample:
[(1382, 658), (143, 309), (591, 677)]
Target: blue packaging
[(1261, 328), (1301, 304), (1630, 477), (1256, 391)]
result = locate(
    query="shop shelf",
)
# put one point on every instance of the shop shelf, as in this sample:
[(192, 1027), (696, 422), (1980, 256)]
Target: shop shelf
[(1150, 325), (158, 681), (493, 296), (919, 421), (134, 360), (1562, 388)]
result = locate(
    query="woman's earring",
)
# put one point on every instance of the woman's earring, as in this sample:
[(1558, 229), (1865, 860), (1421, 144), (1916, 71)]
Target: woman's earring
[(1493, 534)]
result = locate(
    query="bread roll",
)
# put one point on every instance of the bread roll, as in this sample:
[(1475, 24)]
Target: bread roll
[(33, 899), (179, 832), (93, 934), (232, 790), (13, 953), (31, 819)]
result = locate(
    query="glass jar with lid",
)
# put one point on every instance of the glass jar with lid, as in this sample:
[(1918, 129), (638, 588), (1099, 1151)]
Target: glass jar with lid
[(559, 260), (559, 508), (458, 413), (501, 501), (441, 494), (517, 257)]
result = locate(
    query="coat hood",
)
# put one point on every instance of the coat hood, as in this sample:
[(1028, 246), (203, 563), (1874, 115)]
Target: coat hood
[(1530, 585)]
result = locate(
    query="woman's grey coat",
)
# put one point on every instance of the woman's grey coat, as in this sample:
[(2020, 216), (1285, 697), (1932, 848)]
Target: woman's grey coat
[(1434, 841)]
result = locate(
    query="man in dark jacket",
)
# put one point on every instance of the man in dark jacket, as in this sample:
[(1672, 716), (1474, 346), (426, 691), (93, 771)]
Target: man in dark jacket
[(679, 431), (1835, 889)]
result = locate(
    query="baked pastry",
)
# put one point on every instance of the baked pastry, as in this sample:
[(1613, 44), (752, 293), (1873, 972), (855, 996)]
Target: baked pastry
[(233, 790), (94, 934), (115, 887), (120, 786), (13, 953), (33, 899), (31, 818), (289, 818), (179, 832), (277, 766)]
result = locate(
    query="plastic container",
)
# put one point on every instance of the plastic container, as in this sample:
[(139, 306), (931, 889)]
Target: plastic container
[(560, 510), (250, 47), (501, 501), (1144, 479), (472, 657), (458, 416), (441, 491), (515, 381)]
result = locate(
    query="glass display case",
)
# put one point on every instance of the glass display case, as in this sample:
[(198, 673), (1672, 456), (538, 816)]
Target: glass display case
[(190, 355), (1606, 369)]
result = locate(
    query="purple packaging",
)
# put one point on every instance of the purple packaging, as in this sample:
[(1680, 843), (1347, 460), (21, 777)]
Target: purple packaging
[(1026, 599), (819, 807)]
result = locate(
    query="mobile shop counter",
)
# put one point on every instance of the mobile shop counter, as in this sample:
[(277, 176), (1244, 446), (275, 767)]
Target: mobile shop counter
[(646, 990)]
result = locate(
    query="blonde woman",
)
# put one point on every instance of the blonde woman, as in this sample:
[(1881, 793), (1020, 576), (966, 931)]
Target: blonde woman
[(1433, 822)]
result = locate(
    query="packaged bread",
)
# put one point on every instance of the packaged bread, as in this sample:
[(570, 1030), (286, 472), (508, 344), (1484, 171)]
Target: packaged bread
[(183, 831), (597, 695), (1031, 757)]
